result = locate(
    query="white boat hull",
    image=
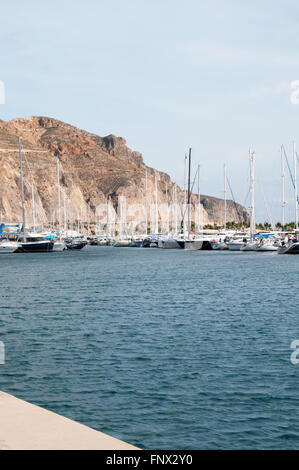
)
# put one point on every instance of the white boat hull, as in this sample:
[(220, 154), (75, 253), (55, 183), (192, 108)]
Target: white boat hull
[(220, 246), (8, 247), (59, 246), (267, 248), (234, 246), (248, 247)]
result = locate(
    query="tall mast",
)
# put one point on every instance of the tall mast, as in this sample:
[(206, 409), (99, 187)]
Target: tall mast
[(189, 194), (252, 208), (156, 206), (22, 191), (88, 220), (225, 196), (199, 207), (58, 194), (175, 209), (107, 219), (146, 202), (295, 185), (282, 190), (185, 198), (167, 209), (64, 211), (33, 207)]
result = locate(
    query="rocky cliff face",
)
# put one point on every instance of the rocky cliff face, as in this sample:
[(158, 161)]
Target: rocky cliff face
[(92, 168)]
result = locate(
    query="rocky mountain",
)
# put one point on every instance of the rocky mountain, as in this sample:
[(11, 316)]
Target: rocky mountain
[(92, 169)]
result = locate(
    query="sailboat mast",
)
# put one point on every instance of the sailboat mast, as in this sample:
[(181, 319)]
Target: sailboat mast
[(252, 208), (22, 190), (189, 194), (199, 207), (33, 207), (156, 206), (146, 202), (282, 190), (88, 220), (64, 211), (185, 198), (225, 197), (58, 194), (167, 209), (295, 185), (175, 209)]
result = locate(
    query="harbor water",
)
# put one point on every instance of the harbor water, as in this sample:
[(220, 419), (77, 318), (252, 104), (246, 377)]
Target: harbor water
[(160, 348)]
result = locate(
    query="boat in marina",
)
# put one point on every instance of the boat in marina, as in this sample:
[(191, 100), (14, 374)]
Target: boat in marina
[(7, 246), (122, 242), (59, 245), (249, 245), (235, 244), (75, 243), (291, 248), (268, 245), (136, 242), (33, 243)]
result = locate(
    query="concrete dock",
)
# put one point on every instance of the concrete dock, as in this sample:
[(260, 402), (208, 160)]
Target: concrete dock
[(24, 426)]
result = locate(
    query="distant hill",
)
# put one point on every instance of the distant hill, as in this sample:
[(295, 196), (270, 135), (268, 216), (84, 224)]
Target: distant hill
[(93, 168)]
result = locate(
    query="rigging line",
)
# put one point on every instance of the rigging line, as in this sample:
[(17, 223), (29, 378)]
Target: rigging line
[(290, 171), (40, 212), (245, 201), (236, 207), (182, 221)]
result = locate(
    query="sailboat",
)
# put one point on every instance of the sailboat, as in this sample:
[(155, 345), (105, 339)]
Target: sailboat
[(251, 244), (29, 243), (59, 244)]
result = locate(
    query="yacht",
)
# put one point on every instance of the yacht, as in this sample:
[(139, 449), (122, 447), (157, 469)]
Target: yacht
[(33, 243), (267, 245), (75, 243), (235, 244), (249, 246)]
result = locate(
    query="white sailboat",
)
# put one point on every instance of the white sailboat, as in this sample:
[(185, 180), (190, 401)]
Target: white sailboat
[(59, 244), (251, 244)]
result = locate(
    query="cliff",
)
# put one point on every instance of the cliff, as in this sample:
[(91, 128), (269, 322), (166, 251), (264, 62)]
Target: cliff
[(92, 169)]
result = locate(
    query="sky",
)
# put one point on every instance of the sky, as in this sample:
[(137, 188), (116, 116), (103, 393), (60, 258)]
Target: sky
[(166, 75)]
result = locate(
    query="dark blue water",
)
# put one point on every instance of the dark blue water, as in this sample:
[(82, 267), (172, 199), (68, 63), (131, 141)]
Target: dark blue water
[(160, 348)]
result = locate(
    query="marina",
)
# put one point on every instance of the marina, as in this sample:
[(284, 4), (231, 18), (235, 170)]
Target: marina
[(149, 222), (186, 234), (146, 363)]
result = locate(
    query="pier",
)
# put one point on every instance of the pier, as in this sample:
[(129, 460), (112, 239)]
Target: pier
[(29, 427)]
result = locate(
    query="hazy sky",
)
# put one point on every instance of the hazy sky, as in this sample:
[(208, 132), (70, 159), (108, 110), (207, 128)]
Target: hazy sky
[(165, 75)]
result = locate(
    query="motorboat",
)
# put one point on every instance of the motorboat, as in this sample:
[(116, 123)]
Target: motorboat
[(7, 246), (292, 248), (59, 245), (33, 243), (75, 243)]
